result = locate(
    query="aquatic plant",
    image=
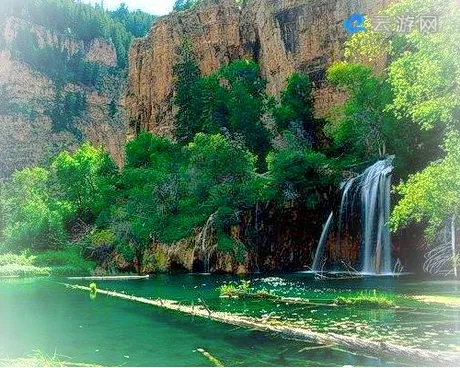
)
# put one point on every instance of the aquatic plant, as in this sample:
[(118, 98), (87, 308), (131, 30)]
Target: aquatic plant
[(243, 290), (234, 289), (368, 299), (93, 287)]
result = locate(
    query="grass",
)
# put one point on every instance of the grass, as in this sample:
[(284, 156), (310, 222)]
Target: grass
[(22, 259), (13, 270), (65, 262), (21, 265), (40, 359), (372, 299)]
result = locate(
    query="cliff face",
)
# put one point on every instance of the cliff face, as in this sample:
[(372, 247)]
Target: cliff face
[(283, 36), (31, 99)]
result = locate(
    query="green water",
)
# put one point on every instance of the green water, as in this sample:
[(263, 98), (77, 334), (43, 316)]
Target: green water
[(42, 314)]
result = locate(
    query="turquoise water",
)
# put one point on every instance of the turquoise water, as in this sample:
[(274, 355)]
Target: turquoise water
[(42, 314)]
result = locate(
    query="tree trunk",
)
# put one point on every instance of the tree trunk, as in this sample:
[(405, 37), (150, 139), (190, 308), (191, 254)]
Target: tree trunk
[(454, 261)]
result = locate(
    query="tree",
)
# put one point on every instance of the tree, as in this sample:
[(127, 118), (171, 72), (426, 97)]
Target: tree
[(234, 103), (432, 195), (425, 68), (85, 179), (32, 217), (421, 73), (221, 180), (296, 103), (361, 123), (298, 173), (187, 94), (149, 191)]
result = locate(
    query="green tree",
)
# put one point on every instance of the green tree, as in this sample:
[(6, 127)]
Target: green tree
[(85, 179), (187, 94), (234, 104), (431, 196), (425, 67), (149, 190), (180, 5), (299, 174), (32, 217), (296, 103), (420, 71), (361, 124)]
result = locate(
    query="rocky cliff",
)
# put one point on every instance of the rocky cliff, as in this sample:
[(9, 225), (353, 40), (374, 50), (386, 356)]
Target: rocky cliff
[(32, 103), (283, 36)]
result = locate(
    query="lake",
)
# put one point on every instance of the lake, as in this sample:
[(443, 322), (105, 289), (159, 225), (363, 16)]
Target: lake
[(43, 314)]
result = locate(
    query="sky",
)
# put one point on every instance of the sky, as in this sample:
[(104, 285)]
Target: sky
[(157, 7)]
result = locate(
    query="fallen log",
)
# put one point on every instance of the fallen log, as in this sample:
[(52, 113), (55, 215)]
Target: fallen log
[(276, 299), (379, 349), (216, 362), (108, 278)]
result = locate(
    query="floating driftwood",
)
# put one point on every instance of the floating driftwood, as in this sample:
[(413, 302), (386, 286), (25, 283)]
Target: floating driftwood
[(216, 362), (109, 278), (367, 347)]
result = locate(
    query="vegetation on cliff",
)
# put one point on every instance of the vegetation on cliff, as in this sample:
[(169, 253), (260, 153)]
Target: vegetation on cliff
[(81, 21)]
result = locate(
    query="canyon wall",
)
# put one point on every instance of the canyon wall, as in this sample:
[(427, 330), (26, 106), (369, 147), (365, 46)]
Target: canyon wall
[(29, 98), (283, 36)]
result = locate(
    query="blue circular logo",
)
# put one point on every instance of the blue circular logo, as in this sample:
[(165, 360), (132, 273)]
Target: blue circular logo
[(354, 24)]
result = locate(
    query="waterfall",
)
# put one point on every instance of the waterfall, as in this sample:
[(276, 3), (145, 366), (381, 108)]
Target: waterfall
[(374, 185), (322, 244), (206, 253), (365, 197)]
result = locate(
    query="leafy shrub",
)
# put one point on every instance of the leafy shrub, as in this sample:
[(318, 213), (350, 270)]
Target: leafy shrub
[(17, 259), (102, 243), (65, 262)]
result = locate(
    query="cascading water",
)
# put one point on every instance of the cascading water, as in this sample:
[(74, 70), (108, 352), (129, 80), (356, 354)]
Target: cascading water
[(374, 185), (372, 189), (322, 244), (205, 250)]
